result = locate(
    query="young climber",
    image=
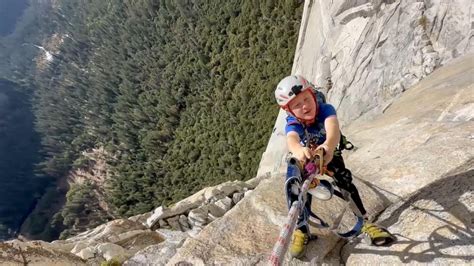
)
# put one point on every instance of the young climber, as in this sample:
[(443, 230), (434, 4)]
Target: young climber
[(312, 125)]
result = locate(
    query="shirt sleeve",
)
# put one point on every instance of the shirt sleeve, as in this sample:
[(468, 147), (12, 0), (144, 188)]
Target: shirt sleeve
[(292, 124), (325, 111)]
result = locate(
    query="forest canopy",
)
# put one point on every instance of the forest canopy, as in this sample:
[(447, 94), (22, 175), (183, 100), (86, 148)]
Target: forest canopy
[(179, 93)]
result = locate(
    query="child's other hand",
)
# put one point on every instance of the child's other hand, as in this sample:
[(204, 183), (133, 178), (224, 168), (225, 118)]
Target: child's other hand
[(328, 153)]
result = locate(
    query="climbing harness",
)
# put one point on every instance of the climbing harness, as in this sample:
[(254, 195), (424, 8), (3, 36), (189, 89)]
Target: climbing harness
[(322, 189)]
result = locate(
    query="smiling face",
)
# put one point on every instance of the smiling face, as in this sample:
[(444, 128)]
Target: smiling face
[(303, 106)]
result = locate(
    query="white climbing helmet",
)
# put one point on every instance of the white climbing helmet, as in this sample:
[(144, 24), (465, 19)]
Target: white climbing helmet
[(288, 88)]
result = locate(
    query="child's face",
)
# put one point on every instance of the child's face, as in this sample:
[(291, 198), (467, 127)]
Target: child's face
[(303, 106)]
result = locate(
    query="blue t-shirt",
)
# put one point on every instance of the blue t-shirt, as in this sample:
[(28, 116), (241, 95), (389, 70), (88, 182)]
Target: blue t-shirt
[(316, 131)]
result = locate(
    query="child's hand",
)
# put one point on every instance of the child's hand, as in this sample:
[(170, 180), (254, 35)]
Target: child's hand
[(303, 154), (328, 153)]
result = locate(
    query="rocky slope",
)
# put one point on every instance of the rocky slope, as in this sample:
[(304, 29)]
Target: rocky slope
[(152, 236)]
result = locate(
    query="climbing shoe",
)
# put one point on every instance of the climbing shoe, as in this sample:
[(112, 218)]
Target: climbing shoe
[(376, 235), (298, 244)]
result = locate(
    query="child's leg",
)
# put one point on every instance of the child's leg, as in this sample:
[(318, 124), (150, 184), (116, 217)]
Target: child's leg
[(378, 236), (343, 177), (293, 184), (303, 218)]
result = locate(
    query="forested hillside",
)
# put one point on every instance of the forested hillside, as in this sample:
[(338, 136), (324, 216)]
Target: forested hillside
[(19, 151), (17, 49), (21, 184), (179, 93)]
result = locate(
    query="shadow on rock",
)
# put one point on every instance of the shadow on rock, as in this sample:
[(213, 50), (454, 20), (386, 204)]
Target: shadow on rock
[(434, 225)]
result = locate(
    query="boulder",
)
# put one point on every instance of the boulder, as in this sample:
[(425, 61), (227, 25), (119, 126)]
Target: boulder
[(174, 223), (236, 197), (78, 247), (183, 222), (225, 204), (199, 215), (157, 214), (111, 251), (171, 236), (225, 189), (248, 192), (86, 253), (215, 211), (164, 224), (141, 218)]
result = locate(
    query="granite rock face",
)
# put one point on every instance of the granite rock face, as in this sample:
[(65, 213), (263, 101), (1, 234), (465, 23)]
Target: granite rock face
[(422, 136), (420, 155), (375, 50), (433, 226)]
